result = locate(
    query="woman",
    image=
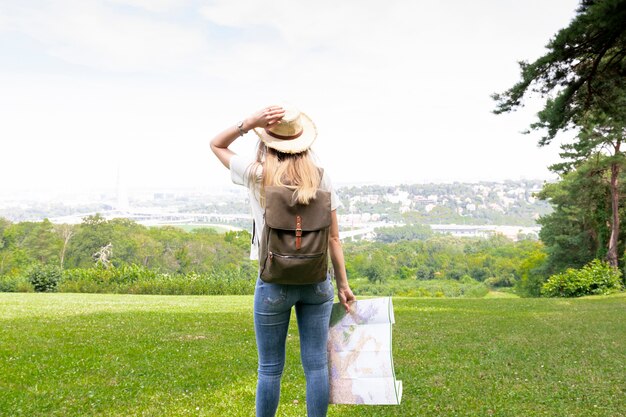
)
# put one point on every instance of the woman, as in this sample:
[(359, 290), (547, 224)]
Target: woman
[(283, 157)]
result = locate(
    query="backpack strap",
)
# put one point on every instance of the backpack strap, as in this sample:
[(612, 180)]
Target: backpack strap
[(298, 232)]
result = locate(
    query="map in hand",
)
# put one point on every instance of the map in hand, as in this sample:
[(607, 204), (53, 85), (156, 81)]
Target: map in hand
[(359, 354)]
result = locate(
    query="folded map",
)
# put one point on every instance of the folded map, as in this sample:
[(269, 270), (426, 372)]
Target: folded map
[(359, 354)]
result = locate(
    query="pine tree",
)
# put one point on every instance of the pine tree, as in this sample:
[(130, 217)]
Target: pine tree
[(583, 81)]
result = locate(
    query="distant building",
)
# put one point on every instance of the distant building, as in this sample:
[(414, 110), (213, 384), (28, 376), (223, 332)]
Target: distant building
[(462, 230)]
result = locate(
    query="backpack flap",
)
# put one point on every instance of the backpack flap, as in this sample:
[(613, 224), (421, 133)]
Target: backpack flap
[(282, 210)]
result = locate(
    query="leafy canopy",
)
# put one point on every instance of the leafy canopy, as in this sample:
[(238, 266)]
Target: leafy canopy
[(583, 74)]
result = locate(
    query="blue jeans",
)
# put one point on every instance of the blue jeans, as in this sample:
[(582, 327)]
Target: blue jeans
[(272, 310)]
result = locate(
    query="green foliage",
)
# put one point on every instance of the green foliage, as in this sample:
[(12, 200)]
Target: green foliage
[(580, 71), (137, 279), (4, 223), (423, 272), (497, 261), (505, 280), (532, 274), (378, 268), (433, 288), (406, 232), (43, 277), (24, 243), (241, 239), (577, 230), (94, 233), (583, 80), (168, 249), (15, 283), (596, 277), (168, 260)]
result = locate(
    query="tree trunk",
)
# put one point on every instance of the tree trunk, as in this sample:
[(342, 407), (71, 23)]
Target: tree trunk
[(66, 232), (612, 256)]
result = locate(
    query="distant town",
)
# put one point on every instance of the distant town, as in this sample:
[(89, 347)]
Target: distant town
[(460, 209)]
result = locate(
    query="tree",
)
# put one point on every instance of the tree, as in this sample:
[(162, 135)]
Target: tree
[(583, 79), (65, 232), (379, 268), (406, 232), (4, 254), (102, 257), (91, 235), (4, 223), (424, 272), (603, 134), (532, 275), (31, 241), (576, 231)]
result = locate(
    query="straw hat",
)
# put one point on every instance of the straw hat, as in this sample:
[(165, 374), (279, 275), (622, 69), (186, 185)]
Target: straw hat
[(293, 134)]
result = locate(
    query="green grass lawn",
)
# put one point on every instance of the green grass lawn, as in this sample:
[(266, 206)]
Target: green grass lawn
[(148, 355)]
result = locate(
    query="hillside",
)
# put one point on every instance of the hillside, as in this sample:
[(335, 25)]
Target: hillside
[(494, 203)]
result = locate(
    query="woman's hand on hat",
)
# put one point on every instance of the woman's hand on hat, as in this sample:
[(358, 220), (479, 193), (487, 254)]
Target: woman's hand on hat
[(266, 117)]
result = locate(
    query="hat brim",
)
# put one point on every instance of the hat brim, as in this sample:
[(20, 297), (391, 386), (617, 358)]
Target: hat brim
[(297, 145)]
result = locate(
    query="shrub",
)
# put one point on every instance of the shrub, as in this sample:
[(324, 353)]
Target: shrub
[(44, 278), (504, 280), (415, 288), (597, 277), (137, 279), (378, 269), (466, 279), (423, 272), (532, 275), (10, 283)]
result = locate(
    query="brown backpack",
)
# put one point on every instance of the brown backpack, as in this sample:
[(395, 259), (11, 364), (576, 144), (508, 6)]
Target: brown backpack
[(294, 242)]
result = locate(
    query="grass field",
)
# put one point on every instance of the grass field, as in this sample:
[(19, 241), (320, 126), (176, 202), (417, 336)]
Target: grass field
[(148, 355)]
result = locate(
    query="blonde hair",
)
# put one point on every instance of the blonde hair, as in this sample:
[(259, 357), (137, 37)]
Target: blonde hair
[(296, 171)]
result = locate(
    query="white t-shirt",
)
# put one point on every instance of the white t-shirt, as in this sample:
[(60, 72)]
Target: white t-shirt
[(239, 167)]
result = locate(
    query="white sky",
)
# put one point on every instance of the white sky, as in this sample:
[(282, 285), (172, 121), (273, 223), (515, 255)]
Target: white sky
[(399, 89)]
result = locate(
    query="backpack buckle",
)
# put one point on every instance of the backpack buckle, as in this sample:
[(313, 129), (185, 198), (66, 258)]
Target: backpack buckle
[(298, 232)]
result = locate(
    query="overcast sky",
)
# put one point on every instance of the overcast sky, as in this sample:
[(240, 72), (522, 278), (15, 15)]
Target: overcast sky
[(399, 89)]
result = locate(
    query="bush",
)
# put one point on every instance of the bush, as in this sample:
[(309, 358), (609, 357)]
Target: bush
[(9, 283), (137, 279), (504, 280), (423, 272), (532, 275), (597, 277), (378, 269), (44, 278), (415, 288)]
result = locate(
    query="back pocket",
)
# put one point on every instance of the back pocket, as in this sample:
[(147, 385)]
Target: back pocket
[(273, 294), (324, 289)]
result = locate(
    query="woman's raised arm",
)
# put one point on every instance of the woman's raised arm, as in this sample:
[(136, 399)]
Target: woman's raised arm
[(263, 118)]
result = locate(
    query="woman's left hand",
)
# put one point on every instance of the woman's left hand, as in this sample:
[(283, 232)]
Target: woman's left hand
[(265, 117), (346, 297)]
